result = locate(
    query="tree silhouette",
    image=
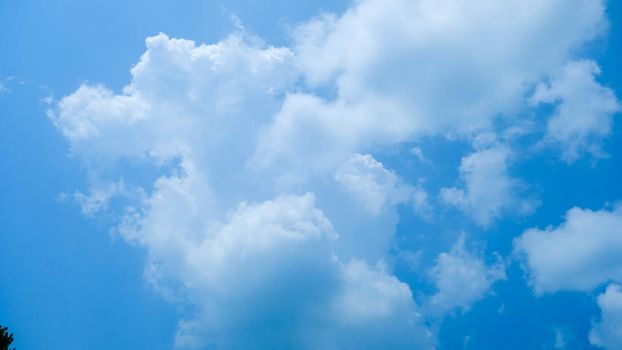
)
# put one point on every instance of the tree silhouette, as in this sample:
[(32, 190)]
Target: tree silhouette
[(6, 338)]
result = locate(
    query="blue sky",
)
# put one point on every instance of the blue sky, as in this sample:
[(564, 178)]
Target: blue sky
[(325, 175)]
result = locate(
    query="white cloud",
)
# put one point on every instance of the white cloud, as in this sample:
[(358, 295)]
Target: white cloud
[(260, 274), (267, 272), (374, 310), (378, 188), (607, 333), (462, 278), (183, 99), (580, 254), (489, 189), (585, 109), (417, 152), (405, 68), (247, 257), (98, 198), (4, 85), (259, 219)]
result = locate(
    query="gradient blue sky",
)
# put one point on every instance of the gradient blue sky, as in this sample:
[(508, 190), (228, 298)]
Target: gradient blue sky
[(67, 282)]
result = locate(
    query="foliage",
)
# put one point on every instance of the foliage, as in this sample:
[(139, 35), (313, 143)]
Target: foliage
[(6, 338)]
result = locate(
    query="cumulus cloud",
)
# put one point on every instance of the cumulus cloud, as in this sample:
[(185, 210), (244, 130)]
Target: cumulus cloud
[(247, 256), (183, 99), (261, 273), (266, 216), (607, 333), (378, 188), (406, 68), (580, 254), (462, 278), (584, 113), (269, 273), (489, 190), (98, 198), (374, 310)]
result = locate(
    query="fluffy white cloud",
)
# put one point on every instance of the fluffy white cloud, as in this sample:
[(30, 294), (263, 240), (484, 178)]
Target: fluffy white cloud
[(184, 99), (584, 115), (489, 189), (405, 68), (374, 310), (462, 278), (258, 217), (580, 254), (378, 188), (607, 333), (268, 273), (199, 104), (220, 238), (262, 273)]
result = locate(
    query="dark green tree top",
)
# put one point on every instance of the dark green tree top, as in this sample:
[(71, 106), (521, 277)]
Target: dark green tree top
[(6, 338)]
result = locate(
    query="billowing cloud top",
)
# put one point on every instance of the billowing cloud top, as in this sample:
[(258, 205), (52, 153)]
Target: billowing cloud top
[(268, 212)]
